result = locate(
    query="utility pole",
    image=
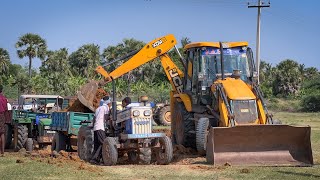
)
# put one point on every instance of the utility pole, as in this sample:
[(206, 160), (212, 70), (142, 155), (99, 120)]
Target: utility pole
[(260, 5)]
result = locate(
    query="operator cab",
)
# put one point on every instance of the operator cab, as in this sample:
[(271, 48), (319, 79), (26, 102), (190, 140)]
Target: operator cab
[(204, 66)]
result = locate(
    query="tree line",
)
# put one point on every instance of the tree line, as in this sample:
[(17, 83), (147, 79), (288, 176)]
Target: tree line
[(63, 72)]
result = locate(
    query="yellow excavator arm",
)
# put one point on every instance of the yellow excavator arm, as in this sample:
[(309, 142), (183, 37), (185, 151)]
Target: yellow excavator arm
[(154, 49), (157, 48)]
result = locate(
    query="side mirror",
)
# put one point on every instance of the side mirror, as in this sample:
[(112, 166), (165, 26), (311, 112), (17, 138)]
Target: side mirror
[(251, 63)]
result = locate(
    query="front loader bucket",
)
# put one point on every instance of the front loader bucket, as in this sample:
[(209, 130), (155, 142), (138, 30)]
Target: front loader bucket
[(87, 94), (262, 145)]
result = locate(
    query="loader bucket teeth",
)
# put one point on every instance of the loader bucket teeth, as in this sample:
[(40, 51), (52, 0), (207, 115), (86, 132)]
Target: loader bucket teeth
[(87, 93), (262, 145)]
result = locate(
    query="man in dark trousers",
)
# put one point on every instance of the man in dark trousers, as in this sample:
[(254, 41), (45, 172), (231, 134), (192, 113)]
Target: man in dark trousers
[(101, 116), (3, 108)]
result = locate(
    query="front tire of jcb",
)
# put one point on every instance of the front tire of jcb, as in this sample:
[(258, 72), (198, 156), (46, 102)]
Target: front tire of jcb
[(109, 151), (85, 143), (201, 135), (22, 136), (165, 116), (183, 127), (165, 153)]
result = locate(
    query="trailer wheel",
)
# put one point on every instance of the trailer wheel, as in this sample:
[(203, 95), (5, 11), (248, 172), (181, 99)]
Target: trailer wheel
[(60, 141), (85, 143), (29, 144), (144, 155), (8, 135), (165, 153), (165, 116), (109, 151), (201, 135), (21, 137)]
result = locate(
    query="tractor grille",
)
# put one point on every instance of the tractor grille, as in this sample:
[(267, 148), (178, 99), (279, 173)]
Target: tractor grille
[(141, 125), (245, 111)]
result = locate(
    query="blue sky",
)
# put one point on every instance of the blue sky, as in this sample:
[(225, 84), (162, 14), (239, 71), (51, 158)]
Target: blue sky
[(289, 28)]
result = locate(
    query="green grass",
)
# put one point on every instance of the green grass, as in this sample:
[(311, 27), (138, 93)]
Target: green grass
[(33, 169)]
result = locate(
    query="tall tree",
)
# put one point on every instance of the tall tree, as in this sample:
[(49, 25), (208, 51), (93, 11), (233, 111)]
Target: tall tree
[(4, 61), (288, 78), (85, 60), (31, 46)]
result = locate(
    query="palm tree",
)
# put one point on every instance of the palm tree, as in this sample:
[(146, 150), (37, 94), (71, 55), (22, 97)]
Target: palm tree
[(85, 60), (185, 41), (4, 61), (31, 46)]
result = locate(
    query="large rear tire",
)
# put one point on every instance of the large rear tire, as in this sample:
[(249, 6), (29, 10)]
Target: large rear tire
[(8, 135), (183, 127), (21, 137), (201, 135), (165, 153), (109, 151), (85, 143), (165, 116)]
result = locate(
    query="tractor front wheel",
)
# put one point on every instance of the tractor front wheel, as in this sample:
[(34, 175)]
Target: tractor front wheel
[(21, 136), (165, 152), (109, 151)]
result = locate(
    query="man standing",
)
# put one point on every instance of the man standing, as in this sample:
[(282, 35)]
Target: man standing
[(101, 115), (3, 108)]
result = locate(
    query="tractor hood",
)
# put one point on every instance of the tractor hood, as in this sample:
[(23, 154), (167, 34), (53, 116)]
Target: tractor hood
[(45, 121), (236, 89)]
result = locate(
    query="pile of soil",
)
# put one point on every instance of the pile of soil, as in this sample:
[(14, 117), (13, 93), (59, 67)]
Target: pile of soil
[(60, 159), (164, 130), (77, 106)]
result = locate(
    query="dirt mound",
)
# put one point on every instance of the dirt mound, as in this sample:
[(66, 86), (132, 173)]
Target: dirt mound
[(180, 149), (77, 106), (164, 130)]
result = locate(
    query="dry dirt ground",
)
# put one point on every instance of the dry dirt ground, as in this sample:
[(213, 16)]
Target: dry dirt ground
[(186, 163)]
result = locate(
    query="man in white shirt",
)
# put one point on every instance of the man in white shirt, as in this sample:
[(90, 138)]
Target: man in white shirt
[(101, 115)]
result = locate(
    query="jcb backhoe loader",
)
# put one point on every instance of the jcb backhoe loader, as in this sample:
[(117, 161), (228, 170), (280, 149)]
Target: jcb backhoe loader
[(217, 106)]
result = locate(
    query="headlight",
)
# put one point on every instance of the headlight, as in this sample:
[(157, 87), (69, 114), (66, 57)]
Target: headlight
[(46, 127), (136, 113), (147, 112)]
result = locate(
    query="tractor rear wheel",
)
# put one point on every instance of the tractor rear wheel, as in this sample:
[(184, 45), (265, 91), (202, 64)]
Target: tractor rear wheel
[(85, 143), (165, 152), (165, 116), (201, 135), (21, 137), (183, 127), (8, 135), (109, 151)]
